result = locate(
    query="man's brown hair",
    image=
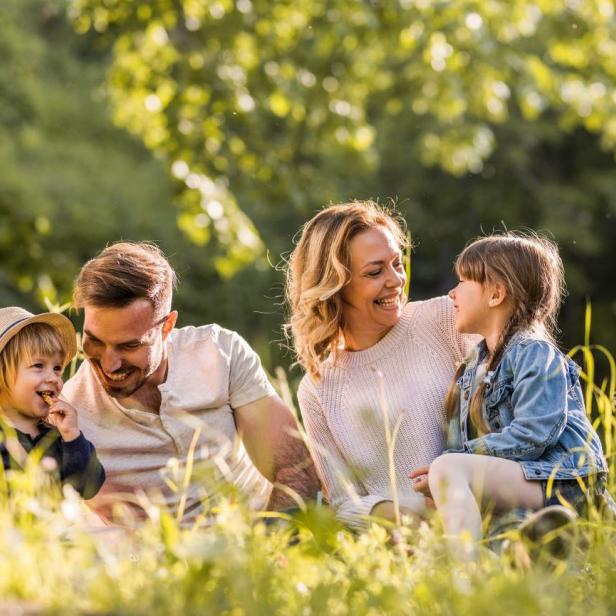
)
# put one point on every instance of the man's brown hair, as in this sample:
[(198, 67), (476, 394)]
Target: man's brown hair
[(124, 272)]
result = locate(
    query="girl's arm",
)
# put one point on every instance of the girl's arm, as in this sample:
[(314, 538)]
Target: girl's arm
[(539, 401)]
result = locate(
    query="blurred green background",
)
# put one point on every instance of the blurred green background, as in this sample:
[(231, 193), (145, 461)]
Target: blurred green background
[(216, 128)]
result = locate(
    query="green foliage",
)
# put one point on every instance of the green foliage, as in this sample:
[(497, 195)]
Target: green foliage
[(271, 92), (54, 559), (72, 182), (472, 115), (69, 176), (260, 113)]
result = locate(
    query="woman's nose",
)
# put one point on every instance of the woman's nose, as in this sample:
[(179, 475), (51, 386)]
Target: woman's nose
[(396, 278), (452, 294)]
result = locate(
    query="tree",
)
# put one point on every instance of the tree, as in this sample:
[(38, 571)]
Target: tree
[(469, 113), (71, 181)]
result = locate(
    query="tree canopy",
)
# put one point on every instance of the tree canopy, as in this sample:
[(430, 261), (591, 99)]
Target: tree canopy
[(468, 113), (471, 116)]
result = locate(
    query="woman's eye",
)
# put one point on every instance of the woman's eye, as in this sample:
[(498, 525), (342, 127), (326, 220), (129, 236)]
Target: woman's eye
[(375, 273), (131, 346)]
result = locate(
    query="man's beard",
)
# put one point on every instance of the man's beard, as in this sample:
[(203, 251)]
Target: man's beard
[(119, 391)]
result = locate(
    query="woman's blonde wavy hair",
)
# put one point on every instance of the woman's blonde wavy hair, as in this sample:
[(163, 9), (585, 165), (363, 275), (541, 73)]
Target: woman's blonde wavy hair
[(319, 268)]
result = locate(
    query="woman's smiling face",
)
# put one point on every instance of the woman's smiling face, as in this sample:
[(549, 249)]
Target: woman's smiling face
[(374, 296)]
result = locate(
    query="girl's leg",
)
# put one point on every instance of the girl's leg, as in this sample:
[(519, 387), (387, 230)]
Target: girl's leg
[(459, 482)]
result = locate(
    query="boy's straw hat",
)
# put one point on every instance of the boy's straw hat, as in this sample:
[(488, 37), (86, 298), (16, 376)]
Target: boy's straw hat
[(14, 319)]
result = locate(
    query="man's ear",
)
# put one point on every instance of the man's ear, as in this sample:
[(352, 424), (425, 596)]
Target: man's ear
[(169, 323), (498, 294)]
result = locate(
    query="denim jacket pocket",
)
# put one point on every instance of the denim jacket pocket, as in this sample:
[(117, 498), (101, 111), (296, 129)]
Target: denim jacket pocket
[(499, 411)]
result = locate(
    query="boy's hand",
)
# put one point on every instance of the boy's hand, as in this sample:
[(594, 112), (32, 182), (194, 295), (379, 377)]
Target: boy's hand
[(420, 483), (63, 416)]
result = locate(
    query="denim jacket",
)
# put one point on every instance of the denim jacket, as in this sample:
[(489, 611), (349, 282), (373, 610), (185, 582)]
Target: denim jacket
[(534, 406)]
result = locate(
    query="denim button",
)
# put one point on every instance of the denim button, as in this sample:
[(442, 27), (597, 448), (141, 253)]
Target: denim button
[(537, 471)]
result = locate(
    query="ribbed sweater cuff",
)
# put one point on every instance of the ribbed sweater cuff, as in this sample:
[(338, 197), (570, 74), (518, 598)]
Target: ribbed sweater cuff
[(354, 513)]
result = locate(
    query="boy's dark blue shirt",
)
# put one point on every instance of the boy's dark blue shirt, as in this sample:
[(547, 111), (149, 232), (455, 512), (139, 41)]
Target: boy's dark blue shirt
[(77, 461)]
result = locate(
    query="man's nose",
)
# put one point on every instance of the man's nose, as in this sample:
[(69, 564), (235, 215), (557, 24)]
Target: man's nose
[(110, 360)]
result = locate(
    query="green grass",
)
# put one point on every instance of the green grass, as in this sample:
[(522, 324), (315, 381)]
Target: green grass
[(51, 562)]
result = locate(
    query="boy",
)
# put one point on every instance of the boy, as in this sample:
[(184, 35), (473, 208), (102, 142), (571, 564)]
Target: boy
[(34, 351)]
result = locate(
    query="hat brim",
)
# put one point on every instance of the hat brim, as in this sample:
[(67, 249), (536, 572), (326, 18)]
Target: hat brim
[(58, 321)]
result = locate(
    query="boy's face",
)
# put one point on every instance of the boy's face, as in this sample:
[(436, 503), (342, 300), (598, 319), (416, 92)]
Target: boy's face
[(23, 400)]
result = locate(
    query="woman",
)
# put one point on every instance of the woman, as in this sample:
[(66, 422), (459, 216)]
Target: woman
[(367, 352)]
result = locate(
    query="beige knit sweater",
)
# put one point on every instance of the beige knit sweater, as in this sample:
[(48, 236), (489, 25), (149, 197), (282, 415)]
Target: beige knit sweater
[(344, 417)]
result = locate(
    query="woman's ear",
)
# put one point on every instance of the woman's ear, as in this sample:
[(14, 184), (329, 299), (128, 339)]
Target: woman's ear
[(498, 294)]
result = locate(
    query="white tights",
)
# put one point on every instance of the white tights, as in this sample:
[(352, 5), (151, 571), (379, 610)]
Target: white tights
[(461, 483)]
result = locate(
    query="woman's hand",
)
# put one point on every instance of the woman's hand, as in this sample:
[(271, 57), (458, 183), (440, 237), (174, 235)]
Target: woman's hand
[(420, 483)]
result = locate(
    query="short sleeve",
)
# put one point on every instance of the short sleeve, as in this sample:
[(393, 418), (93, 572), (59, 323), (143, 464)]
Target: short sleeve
[(248, 381)]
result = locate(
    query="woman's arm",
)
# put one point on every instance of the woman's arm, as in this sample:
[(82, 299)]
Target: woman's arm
[(346, 494)]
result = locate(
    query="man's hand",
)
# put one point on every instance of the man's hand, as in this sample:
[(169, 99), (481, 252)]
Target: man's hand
[(63, 416), (271, 437), (420, 483)]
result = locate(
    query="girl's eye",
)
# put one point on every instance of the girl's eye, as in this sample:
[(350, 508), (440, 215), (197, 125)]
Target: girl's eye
[(37, 365), (58, 368)]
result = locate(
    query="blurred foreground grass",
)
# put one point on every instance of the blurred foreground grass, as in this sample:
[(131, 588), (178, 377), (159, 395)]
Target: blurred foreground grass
[(53, 561)]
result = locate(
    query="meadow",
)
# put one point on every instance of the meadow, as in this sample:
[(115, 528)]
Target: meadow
[(217, 129), (233, 561)]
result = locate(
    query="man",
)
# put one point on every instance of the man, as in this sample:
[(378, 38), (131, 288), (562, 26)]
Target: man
[(165, 406)]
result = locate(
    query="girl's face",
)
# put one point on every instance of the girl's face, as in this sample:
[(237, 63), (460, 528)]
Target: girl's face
[(471, 301), (374, 297), (23, 403)]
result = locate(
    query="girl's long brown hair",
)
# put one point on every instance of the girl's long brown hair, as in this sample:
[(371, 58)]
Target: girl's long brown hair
[(531, 271)]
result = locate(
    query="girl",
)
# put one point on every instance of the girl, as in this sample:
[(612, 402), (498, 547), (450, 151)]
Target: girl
[(33, 353), (518, 432)]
